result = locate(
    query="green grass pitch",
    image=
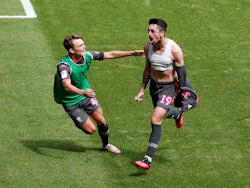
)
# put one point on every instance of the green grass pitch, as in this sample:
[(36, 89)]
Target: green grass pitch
[(40, 147)]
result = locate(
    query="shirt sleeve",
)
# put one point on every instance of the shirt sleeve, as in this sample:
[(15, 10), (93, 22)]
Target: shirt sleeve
[(63, 71), (97, 55)]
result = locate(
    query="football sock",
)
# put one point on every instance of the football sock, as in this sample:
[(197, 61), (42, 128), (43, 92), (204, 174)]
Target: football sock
[(154, 140), (103, 131), (173, 113)]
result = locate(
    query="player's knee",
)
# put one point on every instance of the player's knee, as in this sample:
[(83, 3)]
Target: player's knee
[(88, 129), (156, 120)]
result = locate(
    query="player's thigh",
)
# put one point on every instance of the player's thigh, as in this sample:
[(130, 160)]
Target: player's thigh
[(158, 115), (98, 116), (77, 114), (80, 118)]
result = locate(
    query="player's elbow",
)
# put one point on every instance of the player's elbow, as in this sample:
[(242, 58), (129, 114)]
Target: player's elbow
[(66, 88)]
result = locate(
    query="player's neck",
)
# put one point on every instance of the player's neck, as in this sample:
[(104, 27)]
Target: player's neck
[(160, 45), (76, 59)]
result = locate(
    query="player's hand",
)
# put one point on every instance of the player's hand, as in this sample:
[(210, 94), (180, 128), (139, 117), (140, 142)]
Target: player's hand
[(139, 97), (89, 93), (138, 53)]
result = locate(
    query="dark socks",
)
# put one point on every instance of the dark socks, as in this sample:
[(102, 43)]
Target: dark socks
[(104, 134), (154, 140)]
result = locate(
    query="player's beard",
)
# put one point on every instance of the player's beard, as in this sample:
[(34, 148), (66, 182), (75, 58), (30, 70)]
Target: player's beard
[(155, 43)]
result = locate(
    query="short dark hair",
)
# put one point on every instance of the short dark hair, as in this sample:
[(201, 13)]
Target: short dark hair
[(161, 23), (67, 42)]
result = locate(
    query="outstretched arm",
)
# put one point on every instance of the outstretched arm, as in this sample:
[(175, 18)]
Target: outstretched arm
[(118, 54)]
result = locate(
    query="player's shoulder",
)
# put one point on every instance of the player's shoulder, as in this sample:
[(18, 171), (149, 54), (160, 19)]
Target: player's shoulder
[(173, 42), (62, 66), (175, 48), (90, 54)]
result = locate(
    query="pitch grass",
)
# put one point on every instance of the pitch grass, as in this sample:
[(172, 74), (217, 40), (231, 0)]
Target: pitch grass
[(40, 147)]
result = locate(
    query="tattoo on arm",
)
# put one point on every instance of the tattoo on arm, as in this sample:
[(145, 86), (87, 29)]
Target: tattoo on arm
[(147, 70), (145, 80)]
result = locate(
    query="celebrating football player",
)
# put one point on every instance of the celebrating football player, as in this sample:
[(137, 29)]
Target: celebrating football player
[(164, 64)]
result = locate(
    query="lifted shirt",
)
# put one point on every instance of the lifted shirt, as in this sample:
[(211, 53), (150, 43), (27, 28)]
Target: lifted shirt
[(161, 62)]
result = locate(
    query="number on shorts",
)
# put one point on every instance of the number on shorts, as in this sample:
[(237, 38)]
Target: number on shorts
[(166, 100), (94, 101)]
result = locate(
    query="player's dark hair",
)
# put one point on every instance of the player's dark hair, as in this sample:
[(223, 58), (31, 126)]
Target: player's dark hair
[(161, 23), (67, 42)]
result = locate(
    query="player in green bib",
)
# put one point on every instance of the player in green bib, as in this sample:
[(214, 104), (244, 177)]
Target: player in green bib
[(72, 89)]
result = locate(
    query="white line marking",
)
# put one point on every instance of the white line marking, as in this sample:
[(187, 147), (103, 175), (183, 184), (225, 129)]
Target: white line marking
[(28, 9)]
